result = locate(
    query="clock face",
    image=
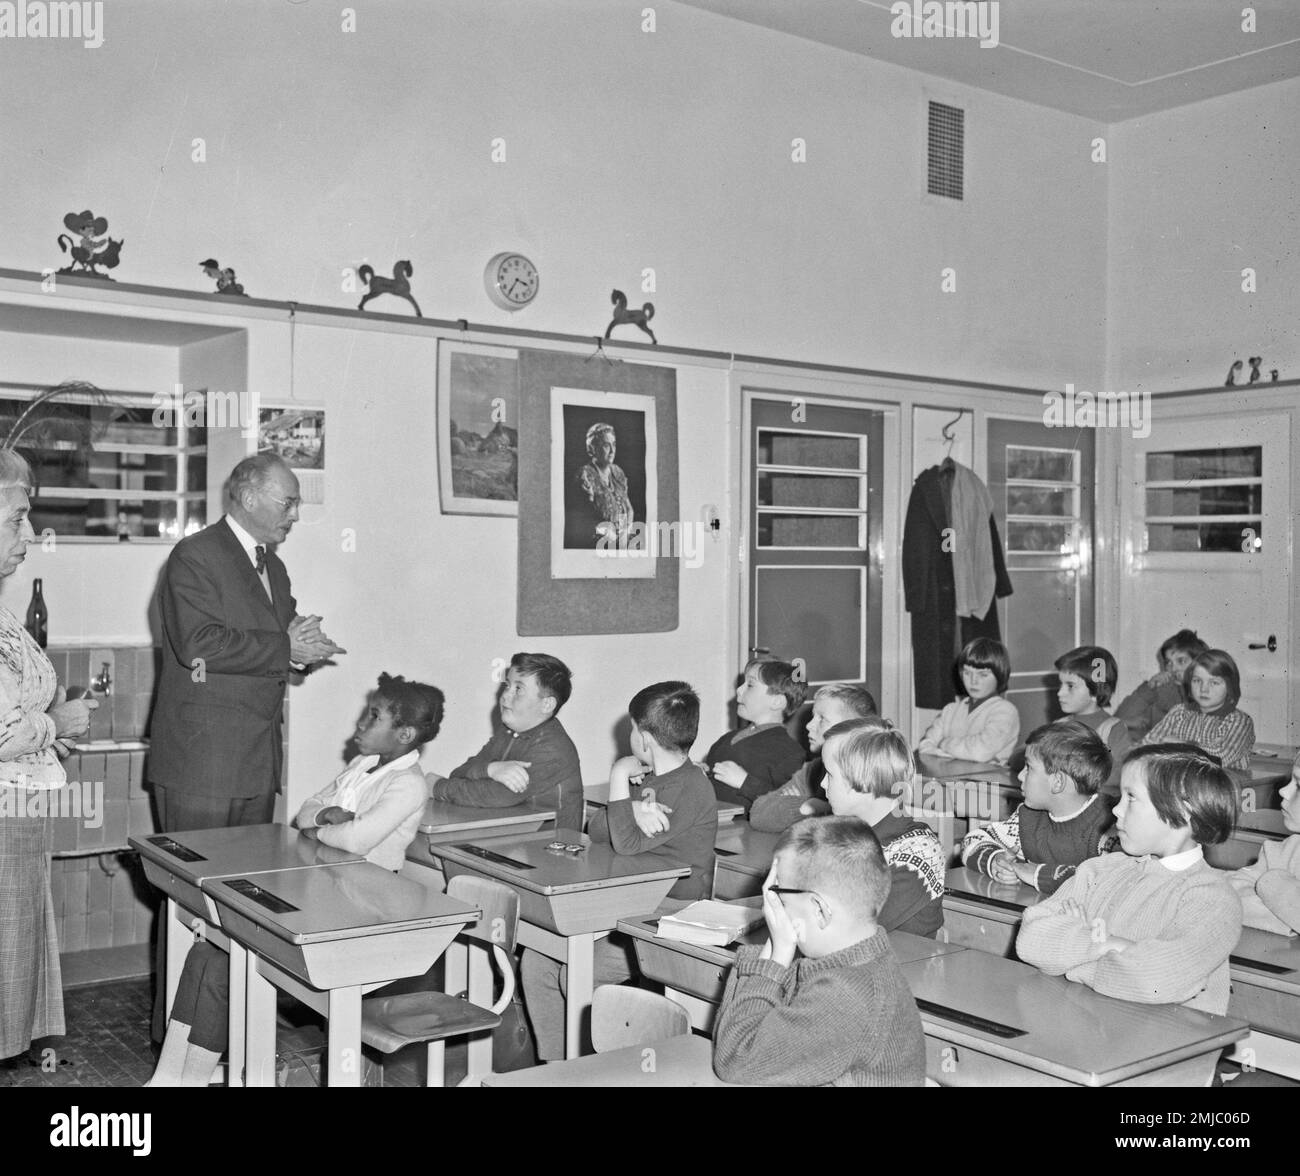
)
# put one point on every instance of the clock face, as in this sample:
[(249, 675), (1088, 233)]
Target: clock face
[(512, 280)]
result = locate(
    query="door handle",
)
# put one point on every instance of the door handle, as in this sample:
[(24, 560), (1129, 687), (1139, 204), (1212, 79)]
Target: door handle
[(759, 650), (1270, 644)]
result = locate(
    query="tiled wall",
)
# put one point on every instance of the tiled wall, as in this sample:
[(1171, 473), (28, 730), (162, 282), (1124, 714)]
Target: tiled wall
[(124, 711), (102, 900)]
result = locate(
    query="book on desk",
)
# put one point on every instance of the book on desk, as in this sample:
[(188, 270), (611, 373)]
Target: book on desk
[(712, 923)]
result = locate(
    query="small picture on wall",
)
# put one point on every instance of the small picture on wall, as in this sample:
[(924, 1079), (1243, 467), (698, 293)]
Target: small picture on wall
[(296, 434), (604, 484), (478, 429)]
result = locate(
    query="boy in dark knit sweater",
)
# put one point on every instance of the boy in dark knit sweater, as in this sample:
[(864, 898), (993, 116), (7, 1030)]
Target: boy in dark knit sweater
[(531, 758), (1064, 819), (673, 816), (838, 702), (868, 772), (761, 755), (841, 1014)]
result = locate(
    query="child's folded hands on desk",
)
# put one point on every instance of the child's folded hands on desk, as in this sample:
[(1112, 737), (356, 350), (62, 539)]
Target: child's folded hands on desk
[(512, 773), (1099, 940), (730, 773), (332, 815)]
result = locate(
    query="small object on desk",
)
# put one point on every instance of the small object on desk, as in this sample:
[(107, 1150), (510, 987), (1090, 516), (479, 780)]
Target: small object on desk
[(713, 923), (564, 847)]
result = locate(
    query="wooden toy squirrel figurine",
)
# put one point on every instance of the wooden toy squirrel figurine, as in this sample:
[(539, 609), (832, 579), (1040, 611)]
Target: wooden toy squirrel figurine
[(399, 284), (94, 250), (225, 278), (639, 318)]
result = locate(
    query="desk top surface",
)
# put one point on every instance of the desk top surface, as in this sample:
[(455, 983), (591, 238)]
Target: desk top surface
[(678, 1061), (441, 817), (941, 767), (741, 847), (961, 882), (1060, 1027), (1273, 961), (336, 902), (242, 849), (526, 863), (906, 946)]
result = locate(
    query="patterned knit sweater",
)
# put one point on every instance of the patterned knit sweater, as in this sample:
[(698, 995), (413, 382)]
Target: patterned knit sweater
[(847, 1019), (1056, 845), (1185, 924), (1270, 889), (916, 869), (1230, 736)]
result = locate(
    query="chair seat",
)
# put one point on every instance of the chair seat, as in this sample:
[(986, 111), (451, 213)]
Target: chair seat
[(389, 1023)]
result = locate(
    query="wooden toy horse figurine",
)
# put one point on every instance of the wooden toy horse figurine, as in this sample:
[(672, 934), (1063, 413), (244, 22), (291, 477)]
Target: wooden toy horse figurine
[(639, 318), (398, 284)]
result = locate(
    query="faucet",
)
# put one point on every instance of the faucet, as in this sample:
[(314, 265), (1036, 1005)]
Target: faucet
[(103, 680)]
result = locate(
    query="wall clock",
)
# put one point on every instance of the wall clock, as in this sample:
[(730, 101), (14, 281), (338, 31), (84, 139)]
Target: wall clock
[(511, 280)]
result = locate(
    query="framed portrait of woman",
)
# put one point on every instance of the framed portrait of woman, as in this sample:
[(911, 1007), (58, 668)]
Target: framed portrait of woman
[(604, 485)]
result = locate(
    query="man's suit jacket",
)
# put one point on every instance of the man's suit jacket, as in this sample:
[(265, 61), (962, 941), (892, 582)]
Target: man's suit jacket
[(225, 666)]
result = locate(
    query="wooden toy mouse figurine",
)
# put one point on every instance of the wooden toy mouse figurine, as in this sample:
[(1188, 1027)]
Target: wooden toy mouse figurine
[(399, 284), (225, 278), (639, 318)]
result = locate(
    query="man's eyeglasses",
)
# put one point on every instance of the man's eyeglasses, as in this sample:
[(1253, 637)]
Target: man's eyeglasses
[(789, 890), (289, 504)]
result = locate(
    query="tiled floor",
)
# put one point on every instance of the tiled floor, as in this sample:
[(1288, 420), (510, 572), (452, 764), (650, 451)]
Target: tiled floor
[(107, 1043)]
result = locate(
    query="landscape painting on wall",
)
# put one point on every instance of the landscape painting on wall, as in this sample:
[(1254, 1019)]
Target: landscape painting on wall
[(478, 429)]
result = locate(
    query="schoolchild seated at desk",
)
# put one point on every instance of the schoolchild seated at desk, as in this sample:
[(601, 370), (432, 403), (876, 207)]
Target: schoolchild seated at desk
[(1159, 694), (839, 702), (373, 808), (868, 773), (842, 1013), (1270, 889), (1087, 683), (983, 727), (761, 755), (532, 756), (1064, 819), (1155, 923), (676, 817), (1208, 715)]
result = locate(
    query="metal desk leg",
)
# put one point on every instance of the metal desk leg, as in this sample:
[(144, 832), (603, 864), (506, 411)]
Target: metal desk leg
[(455, 965), (579, 956), (479, 1049), (344, 1030), (259, 1036), (238, 1020), (179, 940)]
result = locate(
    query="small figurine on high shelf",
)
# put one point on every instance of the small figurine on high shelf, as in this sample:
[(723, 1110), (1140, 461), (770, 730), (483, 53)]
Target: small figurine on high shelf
[(95, 249), (399, 284), (225, 278), (638, 318)]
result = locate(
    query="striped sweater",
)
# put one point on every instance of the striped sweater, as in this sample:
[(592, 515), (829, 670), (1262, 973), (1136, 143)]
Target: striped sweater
[(1230, 736), (1185, 924), (847, 1019), (1055, 844)]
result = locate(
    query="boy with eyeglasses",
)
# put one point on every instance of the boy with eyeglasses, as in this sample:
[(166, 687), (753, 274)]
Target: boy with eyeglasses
[(824, 1001)]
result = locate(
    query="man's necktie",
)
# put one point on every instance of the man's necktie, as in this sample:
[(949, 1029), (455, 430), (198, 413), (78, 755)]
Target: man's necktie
[(260, 552)]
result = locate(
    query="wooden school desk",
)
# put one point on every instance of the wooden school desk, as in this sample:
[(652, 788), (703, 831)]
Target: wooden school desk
[(973, 793), (597, 795), (1270, 770), (1265, 971), (744, 856), (981, 913), (327, 936), (567, 902), (695, 975), (1251, 830), (995, 1022), (676, 1061)]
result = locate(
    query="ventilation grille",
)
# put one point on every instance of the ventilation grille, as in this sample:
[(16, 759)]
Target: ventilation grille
[(946, 172)]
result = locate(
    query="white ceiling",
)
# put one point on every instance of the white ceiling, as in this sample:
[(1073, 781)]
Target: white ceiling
[(1108, 60)]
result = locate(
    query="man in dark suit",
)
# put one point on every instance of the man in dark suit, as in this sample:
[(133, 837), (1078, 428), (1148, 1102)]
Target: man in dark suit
[(231, 633)]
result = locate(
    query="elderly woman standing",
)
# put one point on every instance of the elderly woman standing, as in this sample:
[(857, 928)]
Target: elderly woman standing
[(605, 486), (34, 718)]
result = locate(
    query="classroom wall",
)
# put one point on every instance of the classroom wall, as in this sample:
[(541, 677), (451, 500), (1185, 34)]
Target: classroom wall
[(624, 150), (1197, 194)]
